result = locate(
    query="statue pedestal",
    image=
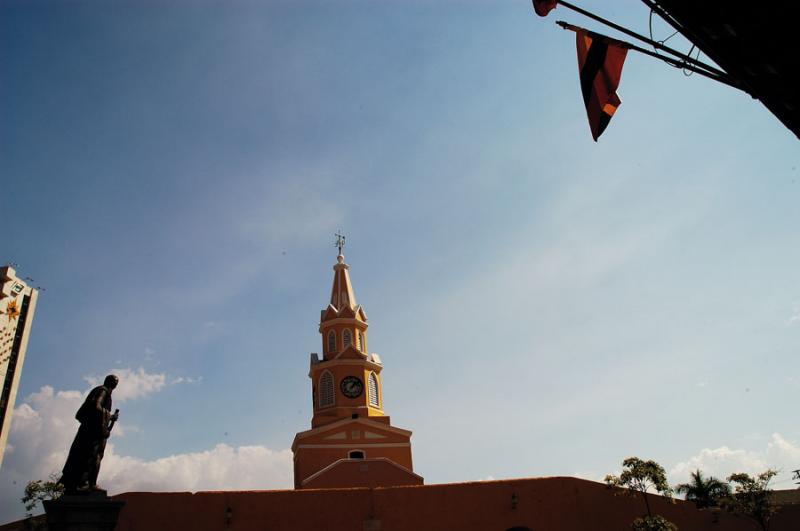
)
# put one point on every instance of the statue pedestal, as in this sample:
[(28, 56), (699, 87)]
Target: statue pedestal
[(91, 511)]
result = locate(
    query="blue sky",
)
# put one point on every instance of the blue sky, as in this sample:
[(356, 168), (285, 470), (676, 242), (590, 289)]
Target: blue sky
[(173, 175)]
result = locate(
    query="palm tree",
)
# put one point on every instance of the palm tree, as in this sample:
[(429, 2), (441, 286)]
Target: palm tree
[(704, 492)]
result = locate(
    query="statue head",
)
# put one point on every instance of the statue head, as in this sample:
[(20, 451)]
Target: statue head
[(111, 381)]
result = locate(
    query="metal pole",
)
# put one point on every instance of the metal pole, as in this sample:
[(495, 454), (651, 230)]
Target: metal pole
[(668, 60), (626, 31)]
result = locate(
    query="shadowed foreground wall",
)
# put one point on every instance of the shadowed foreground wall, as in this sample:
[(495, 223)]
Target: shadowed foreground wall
[(543, 504)]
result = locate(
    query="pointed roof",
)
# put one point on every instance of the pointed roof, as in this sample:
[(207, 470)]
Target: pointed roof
[(342, 291)]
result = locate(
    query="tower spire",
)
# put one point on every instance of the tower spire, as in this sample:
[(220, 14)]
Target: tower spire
[(342, 290)]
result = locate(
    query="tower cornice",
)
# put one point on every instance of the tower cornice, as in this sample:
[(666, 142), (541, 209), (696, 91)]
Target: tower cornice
[(327, 364), (342, 320), (365, 421)]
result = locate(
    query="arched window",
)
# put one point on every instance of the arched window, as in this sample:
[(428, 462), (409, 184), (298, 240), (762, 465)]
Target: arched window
[(360, 341), (326, 389), (345, 339), (374, 401), (331, 341), (355, 454)]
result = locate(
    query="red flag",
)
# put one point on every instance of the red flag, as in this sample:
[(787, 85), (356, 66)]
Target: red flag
[(600, 61), (543, 7)]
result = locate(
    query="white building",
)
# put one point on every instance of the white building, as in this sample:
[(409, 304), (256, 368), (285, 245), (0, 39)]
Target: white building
[(17, 304)]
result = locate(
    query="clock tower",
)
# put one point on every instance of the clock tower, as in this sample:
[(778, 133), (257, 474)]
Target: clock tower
[(351, 442)]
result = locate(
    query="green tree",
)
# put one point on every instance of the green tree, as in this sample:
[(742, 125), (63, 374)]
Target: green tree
[(751, 496), (653, 523), (639, 476), (36, 492), (704, 492)]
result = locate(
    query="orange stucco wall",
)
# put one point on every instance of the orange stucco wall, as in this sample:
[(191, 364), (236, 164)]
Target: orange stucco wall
[(544, 504), (339, 403), (353, 326), (311, 461), (564, 504), (362, 473), (317, 449), (345, 407)]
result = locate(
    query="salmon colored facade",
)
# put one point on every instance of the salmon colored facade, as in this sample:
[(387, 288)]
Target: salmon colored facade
[(351, 442), (539, 504), (535, 504)]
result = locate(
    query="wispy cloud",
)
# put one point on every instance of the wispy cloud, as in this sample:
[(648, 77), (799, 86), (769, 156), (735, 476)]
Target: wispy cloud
[(591, 475), (794, 318), (278, 211), (186, 379)]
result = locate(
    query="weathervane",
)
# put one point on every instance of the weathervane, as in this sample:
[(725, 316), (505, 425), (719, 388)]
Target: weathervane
[(339, 240)]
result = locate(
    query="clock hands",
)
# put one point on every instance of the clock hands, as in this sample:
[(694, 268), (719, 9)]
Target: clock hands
[(351, 387)]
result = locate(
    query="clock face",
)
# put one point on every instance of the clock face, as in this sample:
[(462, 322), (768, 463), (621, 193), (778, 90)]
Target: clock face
[(351, 387)]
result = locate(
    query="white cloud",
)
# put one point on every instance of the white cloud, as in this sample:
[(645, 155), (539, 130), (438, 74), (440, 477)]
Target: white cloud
[(721, 462), (43, 427), (221, 468), (132, 383)]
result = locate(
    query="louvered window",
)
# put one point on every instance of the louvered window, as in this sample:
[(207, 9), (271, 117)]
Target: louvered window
[(331, 341), (360, 342), (326, 389), (373, 390), (345, 339)]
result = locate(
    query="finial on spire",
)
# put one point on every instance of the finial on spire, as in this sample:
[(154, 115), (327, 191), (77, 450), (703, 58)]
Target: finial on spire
[(339, 241)]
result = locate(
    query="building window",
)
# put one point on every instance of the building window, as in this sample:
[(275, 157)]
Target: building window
[(326, 389), (360, 341), (345, 339), (373, 390), (355, 454), (331, 341)]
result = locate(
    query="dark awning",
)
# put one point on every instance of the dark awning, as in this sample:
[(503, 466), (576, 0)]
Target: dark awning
[(756, 43)]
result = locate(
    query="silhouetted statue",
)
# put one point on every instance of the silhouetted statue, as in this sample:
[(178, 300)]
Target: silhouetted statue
[(83, 463)]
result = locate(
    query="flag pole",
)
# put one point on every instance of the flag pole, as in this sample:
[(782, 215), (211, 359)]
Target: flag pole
[(669, 60), (719, 74)]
